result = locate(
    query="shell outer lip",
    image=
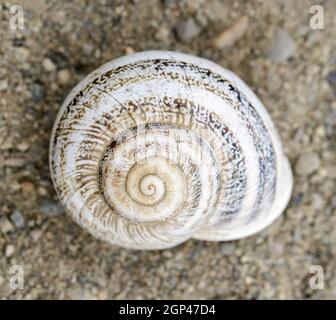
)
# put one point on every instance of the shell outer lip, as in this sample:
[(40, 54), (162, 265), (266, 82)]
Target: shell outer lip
[(280, 205)]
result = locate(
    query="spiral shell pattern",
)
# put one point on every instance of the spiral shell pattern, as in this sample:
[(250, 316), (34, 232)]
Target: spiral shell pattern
[(158, 147)]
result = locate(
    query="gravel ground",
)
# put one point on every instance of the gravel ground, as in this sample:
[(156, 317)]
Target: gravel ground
[(269, 44)]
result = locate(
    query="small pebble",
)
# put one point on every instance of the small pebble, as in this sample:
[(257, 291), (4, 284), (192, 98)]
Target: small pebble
[(88, 49), (27, 187), (169, 2), (103, 295), (163, 35), (227, 248), (48, 65), (23, 53), (129, 50), (18, 219), (3, 85), (63, 76), (317, 201), (187, 30), (297, 199), (331, 78), (248, 280), (307, 164), (278, 248), (228, 37), (217, 10), (23, 146), (42, 191), (5, 225), (38, 92), (10, 249), (297, 236), (51, 209), (283, 46), (13, 162), (36, 234), (333, 202)]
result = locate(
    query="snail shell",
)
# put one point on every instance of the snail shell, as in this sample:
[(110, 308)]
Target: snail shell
[(157, 147)]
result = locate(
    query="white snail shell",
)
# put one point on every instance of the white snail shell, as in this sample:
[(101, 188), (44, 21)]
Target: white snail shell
[(157, 147)]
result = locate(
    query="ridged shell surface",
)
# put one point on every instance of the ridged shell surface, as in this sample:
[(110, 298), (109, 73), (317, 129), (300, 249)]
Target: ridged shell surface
[(158, 147)]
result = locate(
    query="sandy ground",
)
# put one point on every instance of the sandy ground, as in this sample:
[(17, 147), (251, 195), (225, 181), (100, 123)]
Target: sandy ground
[(64, 40)]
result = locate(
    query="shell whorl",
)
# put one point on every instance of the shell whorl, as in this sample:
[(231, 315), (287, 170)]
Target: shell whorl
[(157, 147)]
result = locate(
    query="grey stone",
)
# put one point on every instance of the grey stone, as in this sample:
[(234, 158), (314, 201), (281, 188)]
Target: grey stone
[(37, 92), (3, 84), (307, 163), (51, 209), (18, 219), (283, 46), (169, 2), (227, 248), (187, 30), (331, 78), (297, 236), (297, 199)]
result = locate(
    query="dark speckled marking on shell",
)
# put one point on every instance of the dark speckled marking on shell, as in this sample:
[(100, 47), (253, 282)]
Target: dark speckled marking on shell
[(263, 143)]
